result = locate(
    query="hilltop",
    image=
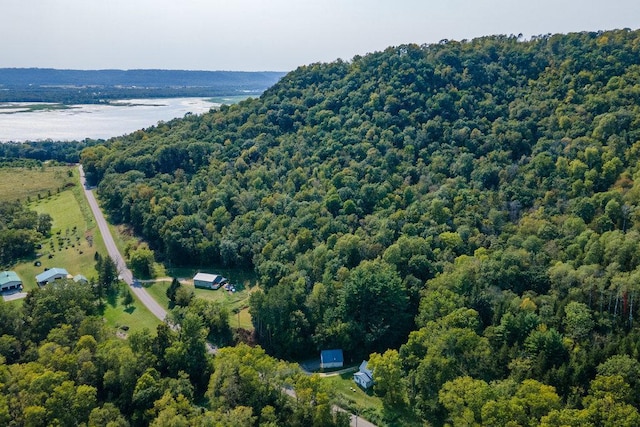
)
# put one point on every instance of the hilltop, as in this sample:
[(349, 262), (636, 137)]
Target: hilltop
[(464, 215)]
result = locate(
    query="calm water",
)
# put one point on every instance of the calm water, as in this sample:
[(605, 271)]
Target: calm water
[(92, 121)]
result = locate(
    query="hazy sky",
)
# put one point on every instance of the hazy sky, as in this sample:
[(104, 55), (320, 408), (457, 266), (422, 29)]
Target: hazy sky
[(270, 35)]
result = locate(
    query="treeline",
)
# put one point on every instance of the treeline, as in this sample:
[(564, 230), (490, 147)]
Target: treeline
[(472, 204), (41, 151), (60, 365)]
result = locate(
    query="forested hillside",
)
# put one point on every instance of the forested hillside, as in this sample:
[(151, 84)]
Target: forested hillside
[(472, 205)]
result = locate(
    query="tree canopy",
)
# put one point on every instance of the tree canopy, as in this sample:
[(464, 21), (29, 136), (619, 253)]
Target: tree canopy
[(470, 204)]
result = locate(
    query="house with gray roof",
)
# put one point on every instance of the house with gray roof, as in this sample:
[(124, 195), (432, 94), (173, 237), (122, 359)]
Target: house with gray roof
[(208, 281), (79, 278), (51, 275), (364, 376)]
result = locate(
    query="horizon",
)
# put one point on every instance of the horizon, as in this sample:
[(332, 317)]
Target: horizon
[(281, 35), (520, 36), (142, 69)]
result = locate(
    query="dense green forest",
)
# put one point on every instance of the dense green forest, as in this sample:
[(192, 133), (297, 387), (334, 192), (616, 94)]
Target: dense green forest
[(60, 366), (463, 214)]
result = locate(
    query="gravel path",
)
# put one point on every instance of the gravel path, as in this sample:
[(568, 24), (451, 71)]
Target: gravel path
[(141, 292), (124, 273)]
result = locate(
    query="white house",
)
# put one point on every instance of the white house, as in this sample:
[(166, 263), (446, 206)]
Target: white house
[(9, 280), (364, 376), (208, 281), (51, 275), (331, 359)]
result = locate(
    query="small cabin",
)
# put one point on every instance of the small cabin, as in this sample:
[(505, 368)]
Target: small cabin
[(331, 359), (364, 376), (208, 281)]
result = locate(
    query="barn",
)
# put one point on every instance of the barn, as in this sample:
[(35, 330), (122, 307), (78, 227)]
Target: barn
[(208, 281), (9, 281), (331, 359), (51, 275)]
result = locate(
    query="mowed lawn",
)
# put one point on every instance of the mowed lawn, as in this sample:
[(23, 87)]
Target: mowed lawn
[(366, 404), (22, 183), (74, 240), (135, 318)]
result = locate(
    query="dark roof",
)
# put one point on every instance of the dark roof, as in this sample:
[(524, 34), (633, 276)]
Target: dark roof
[(331, 356)]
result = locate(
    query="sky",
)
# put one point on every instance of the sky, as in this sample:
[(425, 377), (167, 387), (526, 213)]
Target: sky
[(270, 35)]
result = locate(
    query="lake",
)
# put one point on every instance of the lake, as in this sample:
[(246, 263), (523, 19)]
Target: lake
[(30, 121)]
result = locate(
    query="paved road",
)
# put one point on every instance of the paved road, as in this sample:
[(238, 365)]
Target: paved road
[(11, 296), (115, 255), (142, 293)]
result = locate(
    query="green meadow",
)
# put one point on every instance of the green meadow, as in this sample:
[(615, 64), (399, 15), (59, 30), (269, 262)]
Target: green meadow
[(134, 318), (74, 239), (33, 183)]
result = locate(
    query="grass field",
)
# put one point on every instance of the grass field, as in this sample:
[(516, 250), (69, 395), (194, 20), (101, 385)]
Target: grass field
[(20, 183), (136, 317), (74, 238), (236, 302)]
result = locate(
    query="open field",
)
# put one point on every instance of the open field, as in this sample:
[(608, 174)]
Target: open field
[(73, 242), (74, 238), (25, 183), (136, 317)]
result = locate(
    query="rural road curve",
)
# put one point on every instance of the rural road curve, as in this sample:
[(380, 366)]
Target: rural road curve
[(115, 255), (141, 292)]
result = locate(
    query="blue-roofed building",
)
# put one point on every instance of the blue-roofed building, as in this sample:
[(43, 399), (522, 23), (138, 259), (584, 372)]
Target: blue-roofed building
[(51, 275), (9, 281), (331, 359)]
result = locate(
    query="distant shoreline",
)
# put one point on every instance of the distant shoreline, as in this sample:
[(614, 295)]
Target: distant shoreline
[(103, 86), (77, 122)]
